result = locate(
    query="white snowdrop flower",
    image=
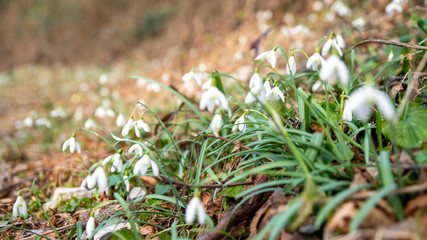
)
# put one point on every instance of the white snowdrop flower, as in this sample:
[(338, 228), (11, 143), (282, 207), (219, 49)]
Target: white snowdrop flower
[(216, 124), (100, 112), (270, 56), (19, 207), (359, 23), (317, 6), (256, 82), (300, 29), (390, 56), (43, 122), (340, 41), (140, 124), (239, 124), (103, 79), (273, 93), (393, 7), (141, 82), (143, 164), (213, 97), (58, 113), (97, 178), (127, 127), (110, 113), (127, 184), (121, 120), (332, 42), (193, 76), (72, 144), (195, 207), (315, 61), (117, 161), (90, 124), (334, 70), (153, 87), (291, 67), (361, 101), (90, 226), (316, 86), (340, 8), (28, 122), (136, 148)]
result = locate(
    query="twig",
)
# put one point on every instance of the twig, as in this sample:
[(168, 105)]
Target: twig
[(163, 180), (60, 229), (388, 42), (405, 190), (227, 140)]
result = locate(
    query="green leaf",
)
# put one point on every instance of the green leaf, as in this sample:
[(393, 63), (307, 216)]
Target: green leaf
[(122, 234), (421, 157), (233, 191), (410, 132), (345, 150), (161, 188)]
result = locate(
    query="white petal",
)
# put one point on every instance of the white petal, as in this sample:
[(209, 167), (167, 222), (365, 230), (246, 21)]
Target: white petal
[(19, 207), (200, 213), (90, 227), (117, 138), (65, 145), (385, 105), (106, 160), (91, 181), (101, 178), (327, 47), (136, 148), (72, 144), (190, 211), (137, 132), (291, 66), (154, 167), (78, 148), (262, 56), (127, 127)]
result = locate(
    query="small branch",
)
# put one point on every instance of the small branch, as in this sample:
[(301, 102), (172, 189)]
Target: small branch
[(387, 42), (405, 190), (163, 180), (227, 140)]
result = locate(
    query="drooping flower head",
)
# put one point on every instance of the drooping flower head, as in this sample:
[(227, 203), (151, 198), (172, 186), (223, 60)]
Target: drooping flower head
[(270, 56), (333, 42), (291, 67), (216, 124), (213, 96), (315, 61), (240, 124), (90, 225), (273, 93), (117, 161), (19, 207), (97, 179), (143, 164), (72, 144), (195, 208), (334, 70), (360, 102)]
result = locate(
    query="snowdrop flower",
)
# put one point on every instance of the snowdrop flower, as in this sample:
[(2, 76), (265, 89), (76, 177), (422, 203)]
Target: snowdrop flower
[(332, 42), (206, 85), (90, 124), (255, 93), (256, 81), (102, 112), (213, 97), (127, 126), (216, 124), (315, 61), (143, 164), (136, 148), (43, 122), (275, 92), (19, 207), (190, 76), (316, 86), (270, 56), (28, 121), (117, 161), (140, 124), (103, 79), (333, 70), (72, 143), (340, 8), (393, 7), (291, 67), (358, 23), (153, 87), (121, 120), (98, 178), (58, 113), (90, 225), (361, 101), (239, 124), (195, 207)]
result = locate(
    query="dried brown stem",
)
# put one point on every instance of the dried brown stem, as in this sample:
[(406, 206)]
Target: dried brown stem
[(405, 190), (174, 182), (387, 42)]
